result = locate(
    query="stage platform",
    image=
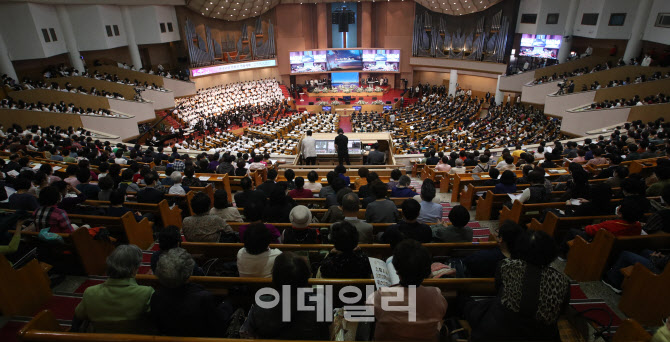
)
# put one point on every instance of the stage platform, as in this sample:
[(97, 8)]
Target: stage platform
[(327, 96), (303, 102)]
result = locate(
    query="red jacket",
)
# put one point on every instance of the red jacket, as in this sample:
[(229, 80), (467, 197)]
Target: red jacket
[(617, 227)]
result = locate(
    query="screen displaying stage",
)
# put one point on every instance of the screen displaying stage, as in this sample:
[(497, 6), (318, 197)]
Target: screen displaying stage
[(541, 46), (381, 60), (344, 60), (344, 78), (373, 60), (328, 147)]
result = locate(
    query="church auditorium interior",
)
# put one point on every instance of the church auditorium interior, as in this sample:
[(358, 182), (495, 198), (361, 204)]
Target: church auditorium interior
[(325, 170)]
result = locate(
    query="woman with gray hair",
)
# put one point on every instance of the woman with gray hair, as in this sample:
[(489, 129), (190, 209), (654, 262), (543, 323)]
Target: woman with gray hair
[(177, 188), (181, 308), (118, 305)]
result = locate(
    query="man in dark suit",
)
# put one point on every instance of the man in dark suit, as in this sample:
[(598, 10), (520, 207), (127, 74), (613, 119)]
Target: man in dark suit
[(151, 193), (269, 185), (248, 195), (341, 146), (376, 157)]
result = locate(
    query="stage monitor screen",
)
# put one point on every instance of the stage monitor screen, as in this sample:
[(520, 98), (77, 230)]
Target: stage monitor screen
[(344, 60), (308, 61), (354, 147), (358, 108), (326, 108), (388, 107), (338, 78), (325, 146), (541, 46), (381, 60)]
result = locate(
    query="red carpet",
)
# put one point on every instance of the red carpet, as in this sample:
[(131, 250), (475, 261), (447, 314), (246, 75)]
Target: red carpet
[(600, 311), (88, 283), (284, 91), (576, 292), (345, 123), (61, 306)]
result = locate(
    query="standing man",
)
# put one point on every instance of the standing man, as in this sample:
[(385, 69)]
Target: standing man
[(341, 145), (309, 149)]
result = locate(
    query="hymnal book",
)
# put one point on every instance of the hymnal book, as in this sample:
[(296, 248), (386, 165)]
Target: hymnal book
[(384, 272)]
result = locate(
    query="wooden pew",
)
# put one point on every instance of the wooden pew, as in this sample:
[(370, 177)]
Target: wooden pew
[(467, 179), (376, 227), (169, 216), (92, 254), (523, 213), (588, 260), (321, 201), (631, 330), (318, 213), (557, 226), (124, 227), (491, 203), (474, 286), (645, 295), (416, 168), (23, 291), (228, 251)]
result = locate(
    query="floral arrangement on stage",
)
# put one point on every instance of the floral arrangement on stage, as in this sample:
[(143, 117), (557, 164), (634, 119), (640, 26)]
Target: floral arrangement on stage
[(361, 102), (378, 102), (322, 103), (347, 89), (335, 103)]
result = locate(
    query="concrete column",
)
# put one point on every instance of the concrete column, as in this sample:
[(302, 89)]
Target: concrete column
[(453, 80), (499, 94), (6, 66), (135, 59), (566, 43), (70, 40), (635, 42)]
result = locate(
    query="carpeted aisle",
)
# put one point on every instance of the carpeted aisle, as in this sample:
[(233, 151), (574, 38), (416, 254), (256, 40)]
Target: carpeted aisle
[(345, 123)]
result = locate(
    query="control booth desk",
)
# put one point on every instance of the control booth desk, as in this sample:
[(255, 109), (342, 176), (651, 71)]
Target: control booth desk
[(359, 146)]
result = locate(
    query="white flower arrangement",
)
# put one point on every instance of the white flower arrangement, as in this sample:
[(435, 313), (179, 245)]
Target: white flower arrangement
[(369, 89), (322, 103), (378, 102), (361, 102), (335, 103)]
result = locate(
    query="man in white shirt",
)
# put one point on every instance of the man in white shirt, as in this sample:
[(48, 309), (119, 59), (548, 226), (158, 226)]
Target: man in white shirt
[(309, 149)]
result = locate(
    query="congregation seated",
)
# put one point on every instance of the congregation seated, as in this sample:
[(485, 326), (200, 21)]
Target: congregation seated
[(412, 263), (203, 226), (119, 304), (409, 227), (458, 231), (256, 259), (520, 303), (183, 308), (292, 271)]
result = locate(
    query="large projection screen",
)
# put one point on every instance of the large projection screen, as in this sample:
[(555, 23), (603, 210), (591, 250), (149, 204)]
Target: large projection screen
[(345, 60)]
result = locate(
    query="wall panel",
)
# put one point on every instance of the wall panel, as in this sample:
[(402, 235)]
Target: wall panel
[(28, 117)]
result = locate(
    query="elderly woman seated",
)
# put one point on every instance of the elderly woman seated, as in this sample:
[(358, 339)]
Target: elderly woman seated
[(180, 308), (118, 305), (290, 272)]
